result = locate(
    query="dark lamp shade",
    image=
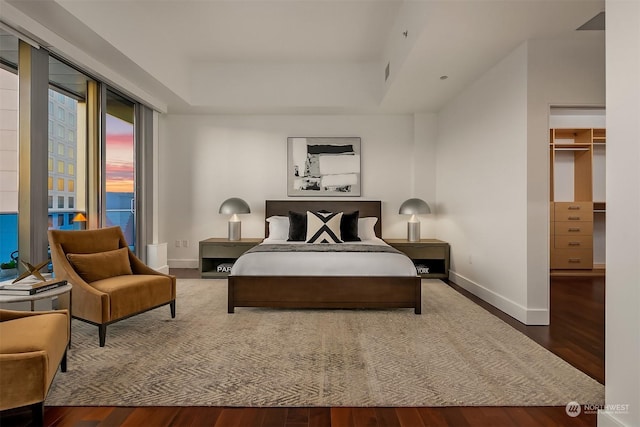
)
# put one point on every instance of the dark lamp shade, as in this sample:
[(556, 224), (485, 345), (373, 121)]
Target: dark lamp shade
[(414, 207), (234, 205)]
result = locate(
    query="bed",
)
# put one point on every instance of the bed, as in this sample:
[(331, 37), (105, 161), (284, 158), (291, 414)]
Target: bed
[(307, 289)]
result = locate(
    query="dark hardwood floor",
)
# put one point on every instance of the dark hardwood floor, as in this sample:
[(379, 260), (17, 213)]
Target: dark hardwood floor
[(575, 333)]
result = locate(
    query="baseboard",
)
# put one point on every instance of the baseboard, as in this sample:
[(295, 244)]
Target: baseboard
[(605, 419), (513, 309), (184, 263)]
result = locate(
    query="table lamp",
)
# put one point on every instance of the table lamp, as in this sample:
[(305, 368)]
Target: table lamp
[(414, 207), (233, 207)]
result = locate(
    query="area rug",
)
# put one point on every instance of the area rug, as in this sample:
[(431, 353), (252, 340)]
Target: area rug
[(455, 353)]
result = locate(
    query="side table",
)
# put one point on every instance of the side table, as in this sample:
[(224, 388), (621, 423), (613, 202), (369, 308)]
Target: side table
[(61, 290), (218, 254), (431, 256)]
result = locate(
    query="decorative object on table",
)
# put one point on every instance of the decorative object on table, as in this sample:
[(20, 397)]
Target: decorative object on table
[(32, 270), (31, 287), (8, 269), (225, 267), (414, 207), (81, 220), (233, 207), (323, 166)]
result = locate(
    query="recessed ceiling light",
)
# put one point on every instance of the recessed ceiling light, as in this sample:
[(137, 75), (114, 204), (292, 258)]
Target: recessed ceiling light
[(444, 77)]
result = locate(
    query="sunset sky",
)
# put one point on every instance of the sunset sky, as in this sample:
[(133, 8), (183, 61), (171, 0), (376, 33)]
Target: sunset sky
[(119, 156)]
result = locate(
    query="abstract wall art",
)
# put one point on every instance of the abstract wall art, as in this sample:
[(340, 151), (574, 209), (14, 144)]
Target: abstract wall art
[(323, 166)]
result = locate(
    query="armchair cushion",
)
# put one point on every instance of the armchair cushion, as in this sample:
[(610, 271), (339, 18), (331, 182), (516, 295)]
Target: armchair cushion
[(101, 265), (131, 294)]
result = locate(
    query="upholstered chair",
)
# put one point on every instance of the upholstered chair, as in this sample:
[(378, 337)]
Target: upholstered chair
[(32, 346), (109, 282)]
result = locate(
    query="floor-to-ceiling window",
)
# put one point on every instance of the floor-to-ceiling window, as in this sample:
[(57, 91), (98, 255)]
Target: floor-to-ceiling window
[(8, 147), (83, 166), (67, 147), (120, 165)]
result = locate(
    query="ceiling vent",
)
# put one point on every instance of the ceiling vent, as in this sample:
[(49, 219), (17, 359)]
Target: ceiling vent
[(595, 24)]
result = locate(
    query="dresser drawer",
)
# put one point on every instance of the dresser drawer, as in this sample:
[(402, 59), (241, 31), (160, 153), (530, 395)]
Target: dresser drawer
[(573, 242), (573, 227), (574, 216), (573, 207), (572, 259)]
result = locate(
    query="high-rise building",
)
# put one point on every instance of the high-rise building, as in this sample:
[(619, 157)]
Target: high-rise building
[(62, 160)]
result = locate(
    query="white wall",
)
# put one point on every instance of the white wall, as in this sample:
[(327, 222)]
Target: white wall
[(424, 170), (622, 344), (569, 72), (206, 159), (481, 182), (493, 169)]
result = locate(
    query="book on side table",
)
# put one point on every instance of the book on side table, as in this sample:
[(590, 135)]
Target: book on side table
[(30, 286)]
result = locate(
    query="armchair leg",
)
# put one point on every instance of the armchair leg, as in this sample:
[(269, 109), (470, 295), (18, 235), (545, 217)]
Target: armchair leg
[(102, 332), (63, 363), (172, 305), (37, 414)]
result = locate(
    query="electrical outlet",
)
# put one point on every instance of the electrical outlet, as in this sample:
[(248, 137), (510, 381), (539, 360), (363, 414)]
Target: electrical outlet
[(185, 243), (177, 243)]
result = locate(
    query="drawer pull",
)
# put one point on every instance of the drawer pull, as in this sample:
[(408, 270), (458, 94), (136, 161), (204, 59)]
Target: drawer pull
[(574, 208), (574, 229), (574, 260), (574, 243), (574, 218)]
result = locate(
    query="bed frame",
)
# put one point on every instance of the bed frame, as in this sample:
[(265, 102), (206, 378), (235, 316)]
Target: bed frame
[(324, 291)]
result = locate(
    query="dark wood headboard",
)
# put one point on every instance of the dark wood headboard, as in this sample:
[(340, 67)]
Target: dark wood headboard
[(367, 208)]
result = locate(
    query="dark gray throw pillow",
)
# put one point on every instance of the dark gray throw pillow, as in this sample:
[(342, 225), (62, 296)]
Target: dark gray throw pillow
[(349, 227), (297, 227)]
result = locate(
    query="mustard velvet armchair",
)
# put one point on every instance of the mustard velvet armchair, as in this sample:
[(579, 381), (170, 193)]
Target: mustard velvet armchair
[(32, 346), (109, 282)]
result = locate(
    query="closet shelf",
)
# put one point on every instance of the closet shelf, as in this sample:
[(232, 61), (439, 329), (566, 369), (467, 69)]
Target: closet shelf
[(572, 147)]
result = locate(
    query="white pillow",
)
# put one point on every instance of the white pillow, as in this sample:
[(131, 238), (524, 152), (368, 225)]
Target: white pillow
[(365, 228), (278, 227)]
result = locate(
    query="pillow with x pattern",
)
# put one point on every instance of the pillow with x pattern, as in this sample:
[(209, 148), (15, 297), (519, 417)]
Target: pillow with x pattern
[(323, 227)]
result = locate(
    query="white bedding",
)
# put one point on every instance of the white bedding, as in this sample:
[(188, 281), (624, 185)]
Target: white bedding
[(323, 263)]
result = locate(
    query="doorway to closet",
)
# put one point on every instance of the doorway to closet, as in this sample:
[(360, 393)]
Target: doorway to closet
[(577, 206)]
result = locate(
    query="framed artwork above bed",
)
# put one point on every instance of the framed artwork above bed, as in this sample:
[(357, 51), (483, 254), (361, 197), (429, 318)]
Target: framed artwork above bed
[(323, 166)]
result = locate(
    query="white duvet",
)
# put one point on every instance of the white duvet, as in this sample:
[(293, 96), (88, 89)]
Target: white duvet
[(323, 263)]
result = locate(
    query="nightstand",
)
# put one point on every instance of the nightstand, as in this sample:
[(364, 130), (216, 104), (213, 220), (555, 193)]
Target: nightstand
[(431, 256), (218, 254)]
